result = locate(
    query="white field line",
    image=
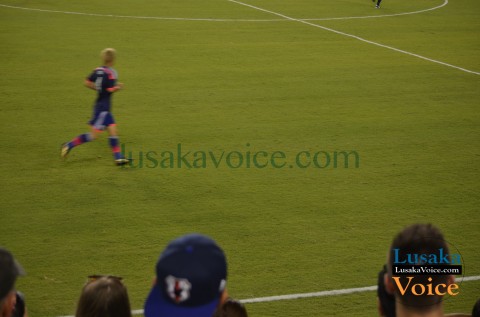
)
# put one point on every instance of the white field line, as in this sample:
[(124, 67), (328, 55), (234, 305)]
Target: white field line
[(337, 292), (137, 17), (331, 293), (445, 2), (356, 37), (308, 295), (220, 20)]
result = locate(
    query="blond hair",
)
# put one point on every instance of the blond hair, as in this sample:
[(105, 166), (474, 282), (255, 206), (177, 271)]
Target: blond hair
[(108, 55)]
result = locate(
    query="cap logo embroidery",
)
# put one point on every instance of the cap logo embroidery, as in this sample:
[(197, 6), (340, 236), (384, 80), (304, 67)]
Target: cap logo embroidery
[(178, 289)]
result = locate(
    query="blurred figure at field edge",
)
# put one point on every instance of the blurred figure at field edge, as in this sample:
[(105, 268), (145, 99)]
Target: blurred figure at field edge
[(378, 3)]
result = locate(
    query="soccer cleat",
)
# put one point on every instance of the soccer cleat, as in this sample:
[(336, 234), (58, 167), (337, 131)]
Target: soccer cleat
[(65, 150), (122, 161), (377, 6)]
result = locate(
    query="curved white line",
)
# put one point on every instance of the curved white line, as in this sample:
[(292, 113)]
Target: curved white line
[(219, 20), (378, 16)]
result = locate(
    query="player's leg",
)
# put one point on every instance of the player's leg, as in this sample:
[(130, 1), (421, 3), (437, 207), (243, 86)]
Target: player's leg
[(79, 140), (114, 142), (378, 4), (97, 126)]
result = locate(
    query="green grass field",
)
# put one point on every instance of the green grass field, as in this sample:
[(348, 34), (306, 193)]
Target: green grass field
[(240, 84)]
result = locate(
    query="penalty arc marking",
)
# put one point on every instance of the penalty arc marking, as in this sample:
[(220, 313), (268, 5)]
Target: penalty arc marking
[(445, 2)]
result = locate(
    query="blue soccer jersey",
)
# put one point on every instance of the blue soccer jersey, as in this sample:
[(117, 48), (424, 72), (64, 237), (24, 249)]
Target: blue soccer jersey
[(104, 79)]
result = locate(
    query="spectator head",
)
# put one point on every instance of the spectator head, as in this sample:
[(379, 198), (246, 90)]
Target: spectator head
[(416, 239), (103, 296), (10, 269), (191, 276), (476, 309), (231, 308), (386, 300)]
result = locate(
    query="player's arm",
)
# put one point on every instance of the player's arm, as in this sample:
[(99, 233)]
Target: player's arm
[(111, 84), (90, 84), (116, 87)]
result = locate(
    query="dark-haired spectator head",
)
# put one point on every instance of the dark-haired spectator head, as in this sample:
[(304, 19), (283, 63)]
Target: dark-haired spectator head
[(10, 269), (231, 308), (104, 296), (416, 239), (191, 276), (476, 309), (386, 300)]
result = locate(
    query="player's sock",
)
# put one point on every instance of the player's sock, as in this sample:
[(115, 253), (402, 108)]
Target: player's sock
[(117, 154), (378, 3), (82, 138)]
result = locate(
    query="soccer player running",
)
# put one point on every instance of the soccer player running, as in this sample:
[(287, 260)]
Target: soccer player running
[(104, 81)]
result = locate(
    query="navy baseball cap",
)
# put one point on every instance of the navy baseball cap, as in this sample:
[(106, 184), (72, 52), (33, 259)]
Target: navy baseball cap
[(10, 269), (191, 278)]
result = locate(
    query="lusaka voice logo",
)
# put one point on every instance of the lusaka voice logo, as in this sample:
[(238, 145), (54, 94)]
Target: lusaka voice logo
[(429, 273)]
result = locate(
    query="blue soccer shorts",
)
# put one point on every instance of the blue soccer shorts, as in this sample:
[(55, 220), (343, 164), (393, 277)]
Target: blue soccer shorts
[(101, 120)]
